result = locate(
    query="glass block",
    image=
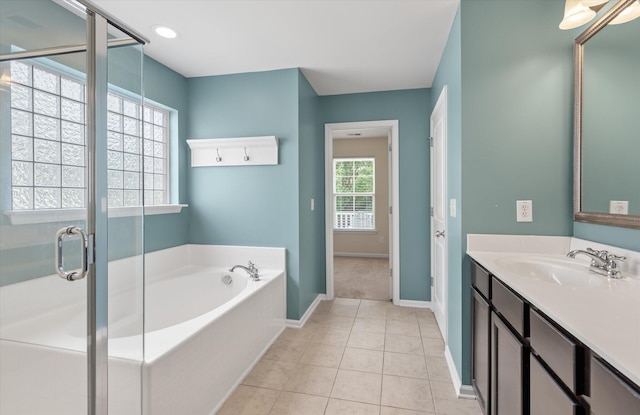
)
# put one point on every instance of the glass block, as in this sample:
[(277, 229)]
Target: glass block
[(72, 176), (72, 89), (21, 173), (22, 198), (46, 174), (148, 197), (72, 132), (45, 103), (131, 126), (147, 130), (158, 182), (21, 97), (21, 122), (132, 162), (72, 154), (72, 111), (114, 160), (46, 198), (72, 198), (46, 127), (131, 109), (158, 149), (131, 180), (148, 148), (46, 151), (114, 141), (21, 148), (158, 165), (158, 198), (158, 133), (158, 117), (132, 198), (115, 197), (114, 122), (146, 114), (115, 179), (131, 144), (148, 181), (114, 103), (46, 80), (20, 73), (148, 164)]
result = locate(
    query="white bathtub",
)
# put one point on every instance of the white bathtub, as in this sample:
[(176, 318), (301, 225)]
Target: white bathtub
[(201, 335)]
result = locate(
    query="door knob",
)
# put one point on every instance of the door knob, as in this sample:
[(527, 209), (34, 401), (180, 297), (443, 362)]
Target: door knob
[(439, 234)]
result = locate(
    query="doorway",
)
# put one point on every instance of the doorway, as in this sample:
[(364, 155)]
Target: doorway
[(361, 196)]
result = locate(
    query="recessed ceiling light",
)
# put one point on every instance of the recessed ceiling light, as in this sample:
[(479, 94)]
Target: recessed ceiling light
[(165, 31)]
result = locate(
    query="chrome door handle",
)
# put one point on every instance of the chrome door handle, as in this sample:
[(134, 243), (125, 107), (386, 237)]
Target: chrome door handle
[(84, 254), (439, 234)]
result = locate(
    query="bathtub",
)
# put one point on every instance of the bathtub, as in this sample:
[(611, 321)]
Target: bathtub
[(201, 335)]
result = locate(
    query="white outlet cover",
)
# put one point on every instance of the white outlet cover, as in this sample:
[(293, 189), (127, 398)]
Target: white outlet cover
[(452, 208), (524, 211), (619, 207)]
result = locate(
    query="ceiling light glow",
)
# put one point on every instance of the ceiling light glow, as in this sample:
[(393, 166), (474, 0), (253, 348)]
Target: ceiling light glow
[(165, 31)]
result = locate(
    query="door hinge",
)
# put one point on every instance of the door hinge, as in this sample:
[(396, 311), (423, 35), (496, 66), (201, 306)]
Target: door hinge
[(431, 210), (390, 272), (430, 141), (432, 281), (389, 147), (391, 210)]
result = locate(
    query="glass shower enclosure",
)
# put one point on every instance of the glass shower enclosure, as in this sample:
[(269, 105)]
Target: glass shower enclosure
[(71, 214)]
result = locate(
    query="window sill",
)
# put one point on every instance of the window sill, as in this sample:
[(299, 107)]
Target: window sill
[(371, 231), (24, 217)]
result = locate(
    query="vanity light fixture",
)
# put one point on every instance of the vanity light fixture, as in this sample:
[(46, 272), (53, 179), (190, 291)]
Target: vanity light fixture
[(579, 12), (165, 31)]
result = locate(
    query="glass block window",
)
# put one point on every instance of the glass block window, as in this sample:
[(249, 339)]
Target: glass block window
[(48, 144), (354, 193)]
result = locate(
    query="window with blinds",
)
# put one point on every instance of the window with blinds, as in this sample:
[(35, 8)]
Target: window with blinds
[(354, 193)]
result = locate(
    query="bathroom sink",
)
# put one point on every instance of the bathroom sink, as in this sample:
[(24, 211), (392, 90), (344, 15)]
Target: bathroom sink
[(552, 270)]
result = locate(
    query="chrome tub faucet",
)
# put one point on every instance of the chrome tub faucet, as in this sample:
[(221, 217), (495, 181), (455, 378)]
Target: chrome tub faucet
[(602, 262), (251, 270)]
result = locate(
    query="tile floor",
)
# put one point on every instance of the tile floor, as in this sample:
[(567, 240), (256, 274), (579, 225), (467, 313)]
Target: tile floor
[(353, 357), (363, 278)]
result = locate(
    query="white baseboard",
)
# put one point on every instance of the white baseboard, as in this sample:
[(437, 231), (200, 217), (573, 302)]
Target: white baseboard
[(462, 391), (298, 324), (414, 303), (360, 255)]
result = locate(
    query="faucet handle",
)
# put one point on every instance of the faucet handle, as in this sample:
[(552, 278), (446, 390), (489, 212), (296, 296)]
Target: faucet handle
[(613, 257)]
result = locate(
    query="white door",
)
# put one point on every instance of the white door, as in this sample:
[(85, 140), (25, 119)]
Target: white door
[(439, 211)]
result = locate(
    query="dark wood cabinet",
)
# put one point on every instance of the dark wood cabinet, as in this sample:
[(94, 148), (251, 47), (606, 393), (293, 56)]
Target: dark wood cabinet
[(611, 394), (547, 397), (480, 350), (508, 367)]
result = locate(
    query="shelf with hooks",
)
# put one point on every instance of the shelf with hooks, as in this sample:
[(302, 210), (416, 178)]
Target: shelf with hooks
[(240, 151)]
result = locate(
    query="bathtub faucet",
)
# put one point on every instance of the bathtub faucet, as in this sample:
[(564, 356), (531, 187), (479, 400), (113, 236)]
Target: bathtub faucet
[(251, 270)]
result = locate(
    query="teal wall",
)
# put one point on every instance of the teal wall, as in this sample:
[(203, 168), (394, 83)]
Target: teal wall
[(412, 109)]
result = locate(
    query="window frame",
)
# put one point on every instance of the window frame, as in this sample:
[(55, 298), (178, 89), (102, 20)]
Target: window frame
[(354, 194)]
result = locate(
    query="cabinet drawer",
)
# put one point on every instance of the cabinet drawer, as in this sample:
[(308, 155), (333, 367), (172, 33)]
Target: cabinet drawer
[(610, 394), (547, 397), (481, 279), (509, 305), (558, 351)]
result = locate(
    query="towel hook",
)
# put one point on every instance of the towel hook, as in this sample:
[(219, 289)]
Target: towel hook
[(246, 156), (218, 159)]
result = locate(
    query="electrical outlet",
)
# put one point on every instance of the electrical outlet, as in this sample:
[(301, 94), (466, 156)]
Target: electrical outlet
[(524, 211), (381, 239), (619, 207)]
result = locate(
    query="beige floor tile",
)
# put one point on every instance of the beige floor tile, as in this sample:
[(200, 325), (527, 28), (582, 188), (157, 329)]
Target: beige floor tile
[(340, 407), (370, 325), (331, 336), (401, 313), (443, 390), (403, 344), (357, 386), (272, 374), (407, 393), (366, 340), (362, 360), (374, 312), (433, 347), (322, 355), (457, 406), (386, 410), (290, 403), (374, 304), (286, 350), (247, 400), (312, 380), (429, 330), (346, 301), (407, 365), (347, 310), (336, 322), (438, 369), (425, 314), (406, 327)]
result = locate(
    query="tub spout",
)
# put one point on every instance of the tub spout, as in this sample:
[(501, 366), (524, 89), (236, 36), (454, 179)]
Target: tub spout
[(251, 270)]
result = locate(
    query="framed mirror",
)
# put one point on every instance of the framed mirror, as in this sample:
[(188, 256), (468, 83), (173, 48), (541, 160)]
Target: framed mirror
[(607, 121)]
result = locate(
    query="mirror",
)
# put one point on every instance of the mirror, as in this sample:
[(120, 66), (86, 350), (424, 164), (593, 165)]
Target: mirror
[(607, 122)]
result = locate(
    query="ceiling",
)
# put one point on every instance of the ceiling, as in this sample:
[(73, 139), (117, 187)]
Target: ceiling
[(342, 46)]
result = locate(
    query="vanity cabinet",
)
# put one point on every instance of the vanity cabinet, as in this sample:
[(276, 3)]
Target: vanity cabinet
[(480, 350), (611, 393), (508, 367)]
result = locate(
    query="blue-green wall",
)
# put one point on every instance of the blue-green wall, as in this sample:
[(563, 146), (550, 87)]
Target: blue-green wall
[(412, 109)]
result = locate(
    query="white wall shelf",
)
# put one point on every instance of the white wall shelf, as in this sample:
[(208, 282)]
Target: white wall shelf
[(241, 151)]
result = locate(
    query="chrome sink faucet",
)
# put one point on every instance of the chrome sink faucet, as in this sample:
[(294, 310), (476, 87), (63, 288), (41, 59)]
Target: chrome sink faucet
[(602, 262), (251, 270)]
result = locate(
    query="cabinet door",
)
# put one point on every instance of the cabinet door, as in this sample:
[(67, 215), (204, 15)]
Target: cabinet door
[(546, 397), (507, 370), (610, 394), (480, 351)]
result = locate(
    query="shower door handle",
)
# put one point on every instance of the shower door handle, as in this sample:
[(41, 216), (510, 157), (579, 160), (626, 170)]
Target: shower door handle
[(84, 254)]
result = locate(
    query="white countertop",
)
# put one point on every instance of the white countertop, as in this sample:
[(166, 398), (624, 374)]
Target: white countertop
[(604, 317)]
